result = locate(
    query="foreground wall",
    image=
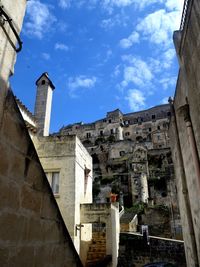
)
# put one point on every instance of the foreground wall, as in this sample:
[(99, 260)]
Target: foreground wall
[(185, 129), (134, 251), (32, 231)]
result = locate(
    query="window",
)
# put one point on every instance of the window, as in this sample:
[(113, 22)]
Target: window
[(153, 117), (158, 127), (101, 133), (127, 134), (121, 153), (149, 129), (112, 131), (88, 135), (53, 178), (110, 121), (43, 82)]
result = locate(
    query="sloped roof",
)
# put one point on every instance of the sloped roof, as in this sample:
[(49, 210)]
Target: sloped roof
[(45, 74)]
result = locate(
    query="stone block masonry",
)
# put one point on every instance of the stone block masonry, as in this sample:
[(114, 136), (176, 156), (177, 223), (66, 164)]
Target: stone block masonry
[(134, 251), (32, 231)]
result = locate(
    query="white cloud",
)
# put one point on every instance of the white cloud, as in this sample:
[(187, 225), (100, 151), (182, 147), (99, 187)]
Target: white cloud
[(164, 100), (39, 17), (137, 72), (45, 56), (175, 5), (109, 4), (117, 71), (168, 57), (128, 42), (80, 82), (135, 99), (158, 27), (60, 46), (168, 82), (64, 3)]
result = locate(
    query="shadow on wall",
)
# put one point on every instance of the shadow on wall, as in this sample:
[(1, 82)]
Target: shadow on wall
[(34, 233)]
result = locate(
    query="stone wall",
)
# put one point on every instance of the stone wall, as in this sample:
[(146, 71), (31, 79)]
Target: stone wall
[(134, 251), (185, 130), (147, 126), (32, 231)]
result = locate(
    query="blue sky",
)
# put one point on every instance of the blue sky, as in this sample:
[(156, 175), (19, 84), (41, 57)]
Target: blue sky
[(100, 55)]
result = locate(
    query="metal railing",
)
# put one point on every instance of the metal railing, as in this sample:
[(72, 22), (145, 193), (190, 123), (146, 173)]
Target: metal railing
[(5, 18), (184, 13)]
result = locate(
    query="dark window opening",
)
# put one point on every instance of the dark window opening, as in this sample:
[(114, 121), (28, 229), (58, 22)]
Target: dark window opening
[(43, 82), (169, 113), (153, 117), (121, 153), (88, 135), (110, 121)]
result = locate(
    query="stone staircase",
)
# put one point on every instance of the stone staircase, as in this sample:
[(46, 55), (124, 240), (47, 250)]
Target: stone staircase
[(96, 255)]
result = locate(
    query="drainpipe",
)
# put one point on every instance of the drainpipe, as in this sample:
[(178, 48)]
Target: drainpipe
[(184, 185), (184, 110)]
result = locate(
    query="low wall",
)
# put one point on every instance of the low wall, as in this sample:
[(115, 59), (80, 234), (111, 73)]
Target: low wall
[(134, 251)]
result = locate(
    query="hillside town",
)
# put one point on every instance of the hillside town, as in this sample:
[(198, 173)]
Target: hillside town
[(119, 191)]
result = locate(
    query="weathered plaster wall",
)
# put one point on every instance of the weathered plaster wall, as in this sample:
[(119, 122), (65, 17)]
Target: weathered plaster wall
[(15, 11), (134, 251), (68, 156), (185, 152)]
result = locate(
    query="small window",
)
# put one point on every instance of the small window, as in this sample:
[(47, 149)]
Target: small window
[(43, 82), (153, 117), (112, 131), (127, 134), (110, 121), (53, 178), (158, 127), (169, 114), (149, 129), (88, 135), (121, 153), (101, 133)]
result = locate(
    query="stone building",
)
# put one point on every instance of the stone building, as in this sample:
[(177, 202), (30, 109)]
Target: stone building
[(68, 167), (132, 159), (33, 232), (185, 128)]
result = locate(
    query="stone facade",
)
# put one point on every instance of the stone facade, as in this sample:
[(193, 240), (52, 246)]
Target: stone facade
[(185, 128), (148, 126), (68, 167), (132, 158), (135, 252), (67, 158)]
